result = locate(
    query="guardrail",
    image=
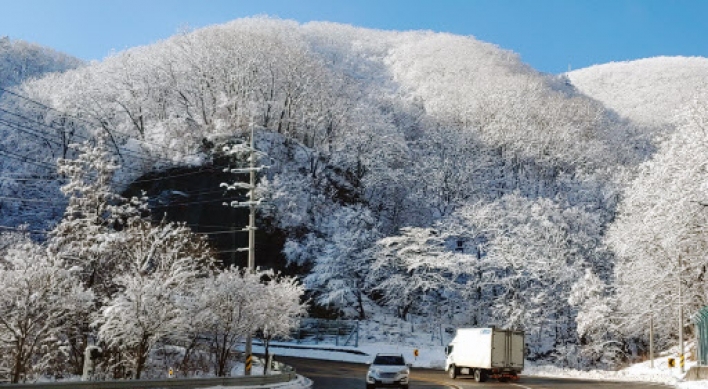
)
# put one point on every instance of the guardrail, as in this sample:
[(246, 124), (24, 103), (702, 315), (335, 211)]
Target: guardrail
[(339, 332), (163, 383)]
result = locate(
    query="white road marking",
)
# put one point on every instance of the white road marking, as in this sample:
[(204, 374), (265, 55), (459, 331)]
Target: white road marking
[(521, 386)]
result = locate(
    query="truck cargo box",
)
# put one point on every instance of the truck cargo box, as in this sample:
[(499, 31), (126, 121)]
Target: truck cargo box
[(486, 352)]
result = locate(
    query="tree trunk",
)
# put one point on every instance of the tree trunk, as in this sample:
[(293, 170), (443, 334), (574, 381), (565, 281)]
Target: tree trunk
[(266, 343), (142, 357), (18, 368), (360, 306)]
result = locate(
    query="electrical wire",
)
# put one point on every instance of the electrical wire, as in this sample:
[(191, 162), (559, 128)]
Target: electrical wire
[(27, 130), (24, 159), (8, 228), (86, 121), (24, 178), (27, 200), (42, 135), (20, 127), (79, 136)]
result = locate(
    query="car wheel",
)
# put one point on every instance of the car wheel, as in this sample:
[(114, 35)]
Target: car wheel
[(404, 387), (452, 371), (480, 375), (369, 386)]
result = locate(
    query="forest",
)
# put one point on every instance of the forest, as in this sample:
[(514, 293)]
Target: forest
[(416, 173)]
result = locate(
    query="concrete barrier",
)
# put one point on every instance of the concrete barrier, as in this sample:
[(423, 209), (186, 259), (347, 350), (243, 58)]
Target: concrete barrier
[(697, 373), (164, 383)]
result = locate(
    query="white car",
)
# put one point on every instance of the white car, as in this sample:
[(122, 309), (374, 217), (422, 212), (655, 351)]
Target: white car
[(388, 370)]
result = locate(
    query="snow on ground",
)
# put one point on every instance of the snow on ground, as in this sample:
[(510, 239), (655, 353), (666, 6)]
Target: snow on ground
[(300, 383), (431, 355), (238, 370), (394, 337)]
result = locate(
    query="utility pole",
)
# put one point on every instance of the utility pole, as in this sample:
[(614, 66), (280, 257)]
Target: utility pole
[(680, 312), (251, 239), (651, 339), (252, 203), (252, 206)]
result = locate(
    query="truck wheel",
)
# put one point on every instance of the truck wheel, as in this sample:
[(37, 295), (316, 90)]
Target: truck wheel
[(480, 375), (452, 371)]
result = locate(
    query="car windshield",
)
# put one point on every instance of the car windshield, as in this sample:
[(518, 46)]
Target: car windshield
[(389, 360)]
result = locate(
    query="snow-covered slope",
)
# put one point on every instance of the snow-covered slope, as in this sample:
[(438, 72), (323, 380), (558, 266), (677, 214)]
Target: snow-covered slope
[(20, 60), (649, 90), (381, 144)]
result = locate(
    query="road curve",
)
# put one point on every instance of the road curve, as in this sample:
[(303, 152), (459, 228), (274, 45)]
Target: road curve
[(343, 375)]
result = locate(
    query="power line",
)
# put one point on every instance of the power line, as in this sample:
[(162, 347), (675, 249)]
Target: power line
[(20, 127), (222, 232), (179, 204), (32, 131), (24, 178), (161, 178), (215, 168), (24, 159), (27, 130), (18, 229), (48, 201), (43, 201), (88, 122), (188, 193), (79, 136)]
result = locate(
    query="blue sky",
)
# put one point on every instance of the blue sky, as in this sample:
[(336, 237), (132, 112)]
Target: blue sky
[(550, 35)]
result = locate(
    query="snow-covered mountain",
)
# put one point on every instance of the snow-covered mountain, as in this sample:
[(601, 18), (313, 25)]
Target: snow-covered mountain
[(20, 60), (425, 173), (651, 90)]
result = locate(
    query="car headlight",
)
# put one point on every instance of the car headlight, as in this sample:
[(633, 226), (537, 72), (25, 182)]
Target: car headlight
[(404, 371)]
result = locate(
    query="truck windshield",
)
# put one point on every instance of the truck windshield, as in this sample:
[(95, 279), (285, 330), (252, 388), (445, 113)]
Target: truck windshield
[(389, 360)]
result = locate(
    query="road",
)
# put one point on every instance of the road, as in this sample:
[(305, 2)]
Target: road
[(343, 375)]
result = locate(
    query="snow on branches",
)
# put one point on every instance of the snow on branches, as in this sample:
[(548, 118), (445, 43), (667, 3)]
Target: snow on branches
[(39, 297), (109, 277)]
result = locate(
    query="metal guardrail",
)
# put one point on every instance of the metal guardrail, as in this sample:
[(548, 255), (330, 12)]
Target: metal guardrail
[(163, 383), (700, 319), (339, 332)]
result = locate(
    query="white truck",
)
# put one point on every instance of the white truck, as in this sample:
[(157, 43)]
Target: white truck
[(486, 353)]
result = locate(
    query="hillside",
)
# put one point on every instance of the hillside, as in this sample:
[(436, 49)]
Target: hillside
[(650, 90), (422, 173), (20, 60)]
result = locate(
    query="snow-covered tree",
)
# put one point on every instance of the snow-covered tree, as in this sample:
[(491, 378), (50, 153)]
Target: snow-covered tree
[(20, 60), (238, 302), (280, 309), (341, 259), (528, 254), (94, 211), (39, 295), (659, 235), (159, 265), (83, 239), (597, 323), (230, 299), (414, 272), (370, 134), (143, 313)]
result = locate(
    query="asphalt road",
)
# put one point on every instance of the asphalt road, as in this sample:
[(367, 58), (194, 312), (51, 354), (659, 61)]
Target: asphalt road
[(343, 375)]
